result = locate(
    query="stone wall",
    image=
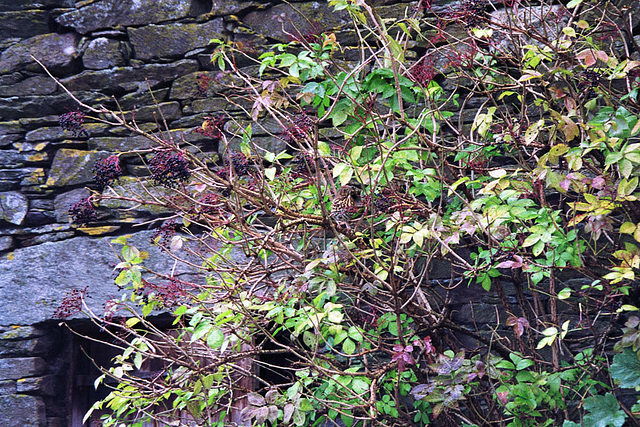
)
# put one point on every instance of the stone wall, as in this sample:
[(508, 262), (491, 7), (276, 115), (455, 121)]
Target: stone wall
[(104, 50)]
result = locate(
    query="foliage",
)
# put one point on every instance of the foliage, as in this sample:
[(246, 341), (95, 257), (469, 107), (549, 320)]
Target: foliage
[(508, 153)]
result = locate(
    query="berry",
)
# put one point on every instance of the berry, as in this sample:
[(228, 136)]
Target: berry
[(240, 163), (83, 212), (168, 168), (382, 203), (71, 303), (588, 81), (72, 121), (302, 164), (297, 129), (106, 171), (163, 234)]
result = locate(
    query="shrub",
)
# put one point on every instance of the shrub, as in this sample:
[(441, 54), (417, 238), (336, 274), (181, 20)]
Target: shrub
[(508, 151)]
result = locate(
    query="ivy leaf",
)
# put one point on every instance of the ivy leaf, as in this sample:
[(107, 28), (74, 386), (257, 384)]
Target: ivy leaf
[(626, 369), (604, 411)]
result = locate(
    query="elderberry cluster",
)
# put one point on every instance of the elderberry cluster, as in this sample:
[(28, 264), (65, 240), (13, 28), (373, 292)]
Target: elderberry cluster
[(240, 163), (163, 234), (382, 203), (471, 12), (302, 164), (72, 122), (169, 168), (83, 212), (107, 171), (588, 81), (297, 129), (71, 303)]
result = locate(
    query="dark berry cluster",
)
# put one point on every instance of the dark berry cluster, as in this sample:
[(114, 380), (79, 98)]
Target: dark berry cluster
[(168, 168), (588, 81), (209, 204), (239, 162), (83, 212), (107, 171), (71, 303), (72, 122), (163, 234), (212, 126), (423, 71), (303, 164), (470, 12), (297, 129), (383, 202)]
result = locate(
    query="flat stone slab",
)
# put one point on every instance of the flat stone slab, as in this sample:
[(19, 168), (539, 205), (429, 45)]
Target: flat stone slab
[(39, 277)]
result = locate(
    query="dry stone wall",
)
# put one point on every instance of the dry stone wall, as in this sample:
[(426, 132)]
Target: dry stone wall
[(107, 50)]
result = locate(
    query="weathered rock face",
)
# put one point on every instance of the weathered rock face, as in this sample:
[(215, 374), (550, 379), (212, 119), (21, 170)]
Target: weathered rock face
[(173, 40), (104, 53), (55, 51), (111, 13), (23, 24), (13, 207), (79, 262)]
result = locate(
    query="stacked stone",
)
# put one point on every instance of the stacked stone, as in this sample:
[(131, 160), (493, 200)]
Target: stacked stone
[(32, 376)]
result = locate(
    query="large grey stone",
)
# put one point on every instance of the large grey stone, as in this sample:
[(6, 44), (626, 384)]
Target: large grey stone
[(55, 51), (232, 7), (21, 367), (13, 207), (104, 53), (38, 85), (6, 243), (111, 13), (23, 24), (118, 77), (12, 5), (37, 106), (284, 22), (32, 347), (173, 40), (72, 167), (38, 277), (22, 333), (19, 410), (120, 144), (56, 133)]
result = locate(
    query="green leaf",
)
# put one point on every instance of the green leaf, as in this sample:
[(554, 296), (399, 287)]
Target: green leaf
[(201, 330), (270, 173), (348, 346), (215, 338), (573, 3), (604, 411), (626, 369)]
